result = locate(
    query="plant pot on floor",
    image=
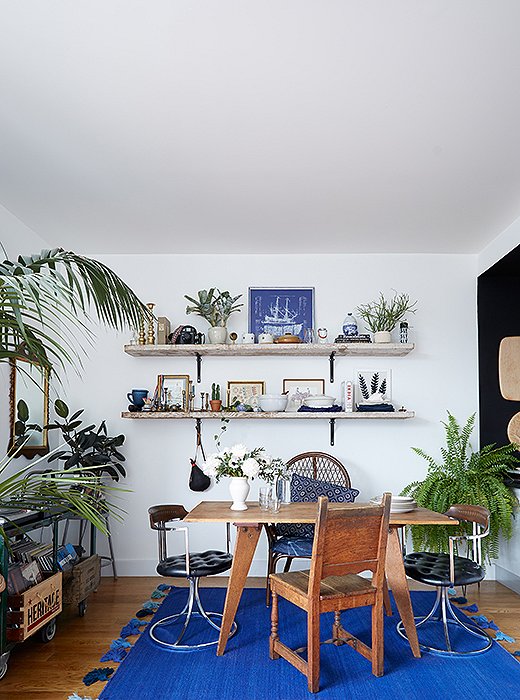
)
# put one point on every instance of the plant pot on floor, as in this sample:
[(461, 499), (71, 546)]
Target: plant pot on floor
[(217, 335), (382, 337), (215, 405)]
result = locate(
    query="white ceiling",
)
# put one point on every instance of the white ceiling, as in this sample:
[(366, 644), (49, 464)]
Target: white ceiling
[(261, 125)]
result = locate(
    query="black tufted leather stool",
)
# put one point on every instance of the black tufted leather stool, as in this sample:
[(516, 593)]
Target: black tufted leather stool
[(188, 565), (447, 570)]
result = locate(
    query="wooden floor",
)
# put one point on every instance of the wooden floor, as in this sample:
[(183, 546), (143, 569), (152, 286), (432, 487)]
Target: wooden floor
[(53, 671)]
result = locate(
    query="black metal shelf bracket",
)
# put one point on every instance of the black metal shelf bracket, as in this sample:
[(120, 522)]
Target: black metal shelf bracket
[(332, 357), (199, 365), (332, 422)]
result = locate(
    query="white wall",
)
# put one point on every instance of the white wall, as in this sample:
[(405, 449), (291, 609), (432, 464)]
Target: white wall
[(440, 374), (499, 246)]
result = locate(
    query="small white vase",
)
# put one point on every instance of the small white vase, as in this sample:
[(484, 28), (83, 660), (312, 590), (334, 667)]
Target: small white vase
[(382, 337), (239, 490), (217, 335)]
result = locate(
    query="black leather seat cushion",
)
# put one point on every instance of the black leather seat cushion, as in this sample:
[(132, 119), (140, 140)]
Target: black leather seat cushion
[(434, 569), (201, 564)]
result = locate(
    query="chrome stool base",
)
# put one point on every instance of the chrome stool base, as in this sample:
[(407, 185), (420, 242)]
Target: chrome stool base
[(187, 612), (448, 616)]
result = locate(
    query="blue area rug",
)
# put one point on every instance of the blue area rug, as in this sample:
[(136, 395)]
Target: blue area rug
[(246, 672)]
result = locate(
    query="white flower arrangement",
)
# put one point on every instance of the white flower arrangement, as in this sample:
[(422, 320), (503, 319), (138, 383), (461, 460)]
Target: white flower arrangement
[(240, 461)]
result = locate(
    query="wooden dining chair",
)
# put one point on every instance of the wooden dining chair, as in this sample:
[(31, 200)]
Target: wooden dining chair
[(348, 540)]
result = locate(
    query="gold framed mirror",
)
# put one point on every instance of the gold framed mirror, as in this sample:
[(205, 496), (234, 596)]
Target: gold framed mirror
[(30, 383)]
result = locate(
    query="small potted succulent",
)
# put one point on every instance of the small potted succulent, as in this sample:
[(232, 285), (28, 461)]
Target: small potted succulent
[(216, 307), (215, 403), (381, 316)]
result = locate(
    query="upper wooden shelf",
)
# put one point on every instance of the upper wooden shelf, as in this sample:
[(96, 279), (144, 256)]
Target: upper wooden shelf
[(279, 349)]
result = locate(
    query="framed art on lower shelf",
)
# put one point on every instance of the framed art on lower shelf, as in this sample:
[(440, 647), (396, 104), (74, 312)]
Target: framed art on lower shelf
[(300, 389), (172, 391), (245, 392), (372, 384)]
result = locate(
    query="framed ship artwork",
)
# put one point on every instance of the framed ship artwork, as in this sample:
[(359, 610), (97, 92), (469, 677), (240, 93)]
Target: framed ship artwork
[(281, 310)]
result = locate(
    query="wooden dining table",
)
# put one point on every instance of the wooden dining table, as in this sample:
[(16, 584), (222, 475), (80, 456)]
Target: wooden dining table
[(249, 525)]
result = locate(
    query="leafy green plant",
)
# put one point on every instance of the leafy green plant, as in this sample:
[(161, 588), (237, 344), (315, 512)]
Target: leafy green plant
[(383, 314), (465, 476), (214, 306)]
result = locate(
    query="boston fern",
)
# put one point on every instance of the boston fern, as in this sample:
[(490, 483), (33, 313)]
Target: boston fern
[(465, 476)]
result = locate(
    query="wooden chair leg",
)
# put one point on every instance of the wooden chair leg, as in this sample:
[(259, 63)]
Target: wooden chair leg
[(386, 599), (377, 639), (313, 650), (274, 628)]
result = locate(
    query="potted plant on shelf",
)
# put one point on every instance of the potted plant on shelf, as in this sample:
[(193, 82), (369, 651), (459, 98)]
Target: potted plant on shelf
[(381, 316), (215, 403), (215, 307), (242, 464), (465, 476)]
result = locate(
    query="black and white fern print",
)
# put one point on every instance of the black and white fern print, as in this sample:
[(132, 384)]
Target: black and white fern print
[(363, 386)]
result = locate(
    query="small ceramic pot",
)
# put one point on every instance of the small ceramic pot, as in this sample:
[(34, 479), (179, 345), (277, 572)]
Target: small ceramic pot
[(215, 405), (217, 335), (239, 491), (382, 337)]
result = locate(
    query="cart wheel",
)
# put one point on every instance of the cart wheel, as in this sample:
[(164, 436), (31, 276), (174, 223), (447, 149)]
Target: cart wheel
[(48, 632), (82, 608)]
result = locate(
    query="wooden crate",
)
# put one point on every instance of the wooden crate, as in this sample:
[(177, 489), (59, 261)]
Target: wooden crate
[(33, 608), (84, 579)]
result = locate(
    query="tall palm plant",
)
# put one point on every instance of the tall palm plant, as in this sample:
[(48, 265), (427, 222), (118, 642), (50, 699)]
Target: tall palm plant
[(46, 302)]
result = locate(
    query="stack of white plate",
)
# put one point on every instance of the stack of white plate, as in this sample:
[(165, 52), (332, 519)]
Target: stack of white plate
[(399, 504)]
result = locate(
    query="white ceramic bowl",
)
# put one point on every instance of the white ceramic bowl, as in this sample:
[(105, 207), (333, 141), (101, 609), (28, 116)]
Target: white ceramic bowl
[(319, 401), (272, 402)]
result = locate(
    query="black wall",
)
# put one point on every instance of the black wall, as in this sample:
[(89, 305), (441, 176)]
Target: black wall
[(498, 303)]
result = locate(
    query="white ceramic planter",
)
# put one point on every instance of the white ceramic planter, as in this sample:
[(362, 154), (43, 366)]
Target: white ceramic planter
[(217, 335), (239, 491), (382, 337)]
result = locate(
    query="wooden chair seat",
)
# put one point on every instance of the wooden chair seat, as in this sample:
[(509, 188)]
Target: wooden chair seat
[(332, 588)]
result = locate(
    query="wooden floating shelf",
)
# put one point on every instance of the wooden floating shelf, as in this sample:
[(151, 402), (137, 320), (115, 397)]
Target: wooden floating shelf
[(277, 349), (278, 415)]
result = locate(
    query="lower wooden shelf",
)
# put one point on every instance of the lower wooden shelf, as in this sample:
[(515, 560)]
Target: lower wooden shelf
[(263, 415)]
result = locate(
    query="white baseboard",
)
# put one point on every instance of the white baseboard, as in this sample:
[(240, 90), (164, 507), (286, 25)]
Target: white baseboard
[(507, 578), (147, 567)]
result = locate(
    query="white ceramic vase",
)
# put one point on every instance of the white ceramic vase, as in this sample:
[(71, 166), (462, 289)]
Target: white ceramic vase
[(239, 491), (382, 337), (217, 335)]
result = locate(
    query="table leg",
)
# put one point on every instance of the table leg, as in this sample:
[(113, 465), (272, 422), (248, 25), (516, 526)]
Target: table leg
[(397, 581), (245, 546)]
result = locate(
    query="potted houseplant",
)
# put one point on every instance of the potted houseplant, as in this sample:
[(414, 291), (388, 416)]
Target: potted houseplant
[(215, 307), (240, 464), (381, 316), (215, 403), (469, 477), (44, 302)]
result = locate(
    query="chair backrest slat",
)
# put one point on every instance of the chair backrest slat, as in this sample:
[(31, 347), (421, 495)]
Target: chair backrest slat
[(349, 539), (320, 466)]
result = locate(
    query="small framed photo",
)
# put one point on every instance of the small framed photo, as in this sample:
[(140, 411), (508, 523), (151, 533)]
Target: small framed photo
[(172, 391), (281, 310), (373, 384), (299, 389), (245, 392)]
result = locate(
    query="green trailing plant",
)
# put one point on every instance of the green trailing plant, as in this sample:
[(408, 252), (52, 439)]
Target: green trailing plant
[(383, 314), (213, 305), (465, 476), (215, 392), (46, 301)]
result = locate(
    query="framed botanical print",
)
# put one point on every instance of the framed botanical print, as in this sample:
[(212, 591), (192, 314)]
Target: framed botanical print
[(372, 385), (245, 392), (281, 310), (300, 389)]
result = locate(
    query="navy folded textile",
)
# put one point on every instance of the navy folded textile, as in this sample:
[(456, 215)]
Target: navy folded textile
[(383, 407), (327, 409)]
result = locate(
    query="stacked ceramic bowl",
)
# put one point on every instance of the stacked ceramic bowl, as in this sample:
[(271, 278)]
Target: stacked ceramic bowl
[(399, 504)]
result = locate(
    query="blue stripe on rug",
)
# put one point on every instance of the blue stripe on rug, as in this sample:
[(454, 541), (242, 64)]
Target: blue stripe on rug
[(246, 672)]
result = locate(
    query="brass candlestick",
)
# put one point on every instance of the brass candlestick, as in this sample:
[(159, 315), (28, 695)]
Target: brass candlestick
[(141, 339), (150, 340)]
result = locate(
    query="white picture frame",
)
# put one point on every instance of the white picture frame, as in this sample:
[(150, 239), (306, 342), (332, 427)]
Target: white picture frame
[(368, 382), (300, 389)]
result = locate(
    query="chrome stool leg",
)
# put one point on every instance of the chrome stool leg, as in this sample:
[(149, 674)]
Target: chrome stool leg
[(188, 612), (448, 616)]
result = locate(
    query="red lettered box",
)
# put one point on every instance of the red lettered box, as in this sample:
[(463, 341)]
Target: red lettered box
[(33, 608)]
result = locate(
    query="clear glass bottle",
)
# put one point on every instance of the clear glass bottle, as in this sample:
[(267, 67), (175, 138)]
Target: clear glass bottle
[(350, 326)]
